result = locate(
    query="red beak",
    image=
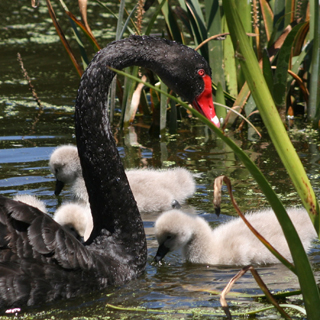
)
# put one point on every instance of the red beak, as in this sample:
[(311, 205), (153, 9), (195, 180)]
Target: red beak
[(204, 104)]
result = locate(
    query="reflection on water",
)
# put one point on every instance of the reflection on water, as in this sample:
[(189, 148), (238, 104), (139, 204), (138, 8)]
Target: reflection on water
[(24, 168)]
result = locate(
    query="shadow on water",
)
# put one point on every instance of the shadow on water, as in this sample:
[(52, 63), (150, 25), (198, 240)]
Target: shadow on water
[(24, 169)]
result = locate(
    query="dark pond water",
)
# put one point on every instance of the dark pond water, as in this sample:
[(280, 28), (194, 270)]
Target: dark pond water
[(28, 138)]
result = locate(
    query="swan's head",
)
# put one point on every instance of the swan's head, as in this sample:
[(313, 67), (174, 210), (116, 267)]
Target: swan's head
[(173, 230), (200, 93), (65, 165), (190, 76), (183, 70), (203, 102)]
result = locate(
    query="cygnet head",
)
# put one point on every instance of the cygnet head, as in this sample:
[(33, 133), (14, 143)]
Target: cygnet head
[(173, 230), (31, 201), (65, 165), (76, 217)]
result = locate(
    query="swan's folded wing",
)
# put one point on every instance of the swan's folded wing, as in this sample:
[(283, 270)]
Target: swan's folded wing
[(30, 233), (70, 253)]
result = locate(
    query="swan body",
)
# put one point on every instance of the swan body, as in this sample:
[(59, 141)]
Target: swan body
[(75, 216), (40, 261), (231, 243), (157, 190), (166, 186)]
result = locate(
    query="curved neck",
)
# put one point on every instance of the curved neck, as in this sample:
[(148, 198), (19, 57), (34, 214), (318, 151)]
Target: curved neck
[(112, 203)]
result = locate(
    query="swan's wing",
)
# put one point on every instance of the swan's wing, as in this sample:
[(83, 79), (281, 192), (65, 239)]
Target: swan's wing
[(28, 233), (39, 260)]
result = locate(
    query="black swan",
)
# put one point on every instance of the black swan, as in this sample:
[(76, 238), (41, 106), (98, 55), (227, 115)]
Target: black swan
[(40, 261), (231, 243), (169, 186)]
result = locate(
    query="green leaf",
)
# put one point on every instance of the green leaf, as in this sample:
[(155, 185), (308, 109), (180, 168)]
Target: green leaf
[(229, 62), (125, 25), (250, 106), (88, 34), (120, 19), (199, 28), (267, 71), (163, 109), (173, 124), (278, 20), (213, 21), (112, 13), (267, 16), (84, 57), (220, 111), (281, 74), (171, 22), (314, 101), (154, 17), (293, 306)]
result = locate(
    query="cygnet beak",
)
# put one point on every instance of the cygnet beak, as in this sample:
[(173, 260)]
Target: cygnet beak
[(59, 187), (162, 251)]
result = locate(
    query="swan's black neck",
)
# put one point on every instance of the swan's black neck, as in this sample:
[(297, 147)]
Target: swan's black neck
[(112, 203)]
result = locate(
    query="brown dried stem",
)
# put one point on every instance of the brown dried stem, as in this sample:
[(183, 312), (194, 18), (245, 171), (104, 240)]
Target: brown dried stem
[(262, 286), (34, 94), (139, 15)]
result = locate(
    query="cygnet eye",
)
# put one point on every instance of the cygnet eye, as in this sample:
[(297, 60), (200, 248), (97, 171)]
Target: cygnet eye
[(169, 237)]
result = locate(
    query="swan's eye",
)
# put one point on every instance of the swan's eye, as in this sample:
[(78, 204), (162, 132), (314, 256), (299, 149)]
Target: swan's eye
[(169, 237), (201, 72)]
